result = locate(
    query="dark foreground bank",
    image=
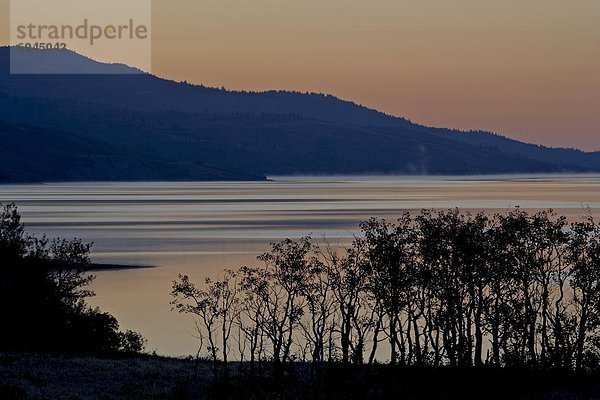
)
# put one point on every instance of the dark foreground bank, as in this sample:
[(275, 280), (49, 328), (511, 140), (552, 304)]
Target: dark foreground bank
[(29, 376)]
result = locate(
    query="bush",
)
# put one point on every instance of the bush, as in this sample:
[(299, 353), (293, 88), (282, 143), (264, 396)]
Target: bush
[(131, 342), (43, 288)]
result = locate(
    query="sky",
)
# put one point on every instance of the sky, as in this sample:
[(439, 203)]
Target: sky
[(528, 69)]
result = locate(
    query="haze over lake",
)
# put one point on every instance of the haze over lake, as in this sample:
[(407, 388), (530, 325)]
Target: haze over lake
[(199, 228)]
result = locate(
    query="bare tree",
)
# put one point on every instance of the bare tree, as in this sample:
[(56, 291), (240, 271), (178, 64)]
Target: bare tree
[(188, 299), (252, 318), (280, 288), (440, 287), (584, 253)]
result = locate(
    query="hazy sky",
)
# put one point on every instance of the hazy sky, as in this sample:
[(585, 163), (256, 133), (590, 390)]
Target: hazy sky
[(529, 69)]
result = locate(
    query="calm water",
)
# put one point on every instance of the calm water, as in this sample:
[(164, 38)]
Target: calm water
[(200, 228)]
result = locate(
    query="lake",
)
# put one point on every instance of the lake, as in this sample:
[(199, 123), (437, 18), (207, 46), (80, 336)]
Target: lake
[(199, 228)]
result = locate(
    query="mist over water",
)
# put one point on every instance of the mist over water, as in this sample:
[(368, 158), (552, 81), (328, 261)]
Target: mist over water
[(199, 228)]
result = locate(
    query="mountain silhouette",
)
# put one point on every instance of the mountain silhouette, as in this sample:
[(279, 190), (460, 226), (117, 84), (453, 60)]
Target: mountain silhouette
[(136, 126)]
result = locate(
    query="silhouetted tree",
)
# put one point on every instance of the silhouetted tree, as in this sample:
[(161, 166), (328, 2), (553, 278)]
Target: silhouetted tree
[(584, 253), (43, 288), (320, 304), (287, 274), (203, 304), (391, 256), (441, 287)]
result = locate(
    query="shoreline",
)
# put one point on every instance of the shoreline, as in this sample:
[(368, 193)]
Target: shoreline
[(323, 177), (95, 267)]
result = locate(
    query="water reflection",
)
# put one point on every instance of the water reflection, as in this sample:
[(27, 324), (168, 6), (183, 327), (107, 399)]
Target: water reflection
[(199, 228)]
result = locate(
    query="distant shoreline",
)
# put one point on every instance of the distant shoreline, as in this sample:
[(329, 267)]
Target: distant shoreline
[(317, 177), (115, 267)]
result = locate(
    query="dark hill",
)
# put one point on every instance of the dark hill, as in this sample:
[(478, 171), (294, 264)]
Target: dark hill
[(140, 127), (36, 154)]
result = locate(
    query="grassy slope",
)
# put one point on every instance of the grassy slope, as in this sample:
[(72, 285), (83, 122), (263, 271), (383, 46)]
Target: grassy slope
[(63, 377), (148, 377)]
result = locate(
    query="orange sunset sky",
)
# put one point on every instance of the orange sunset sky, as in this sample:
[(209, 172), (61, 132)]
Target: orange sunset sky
[(528, 69)]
